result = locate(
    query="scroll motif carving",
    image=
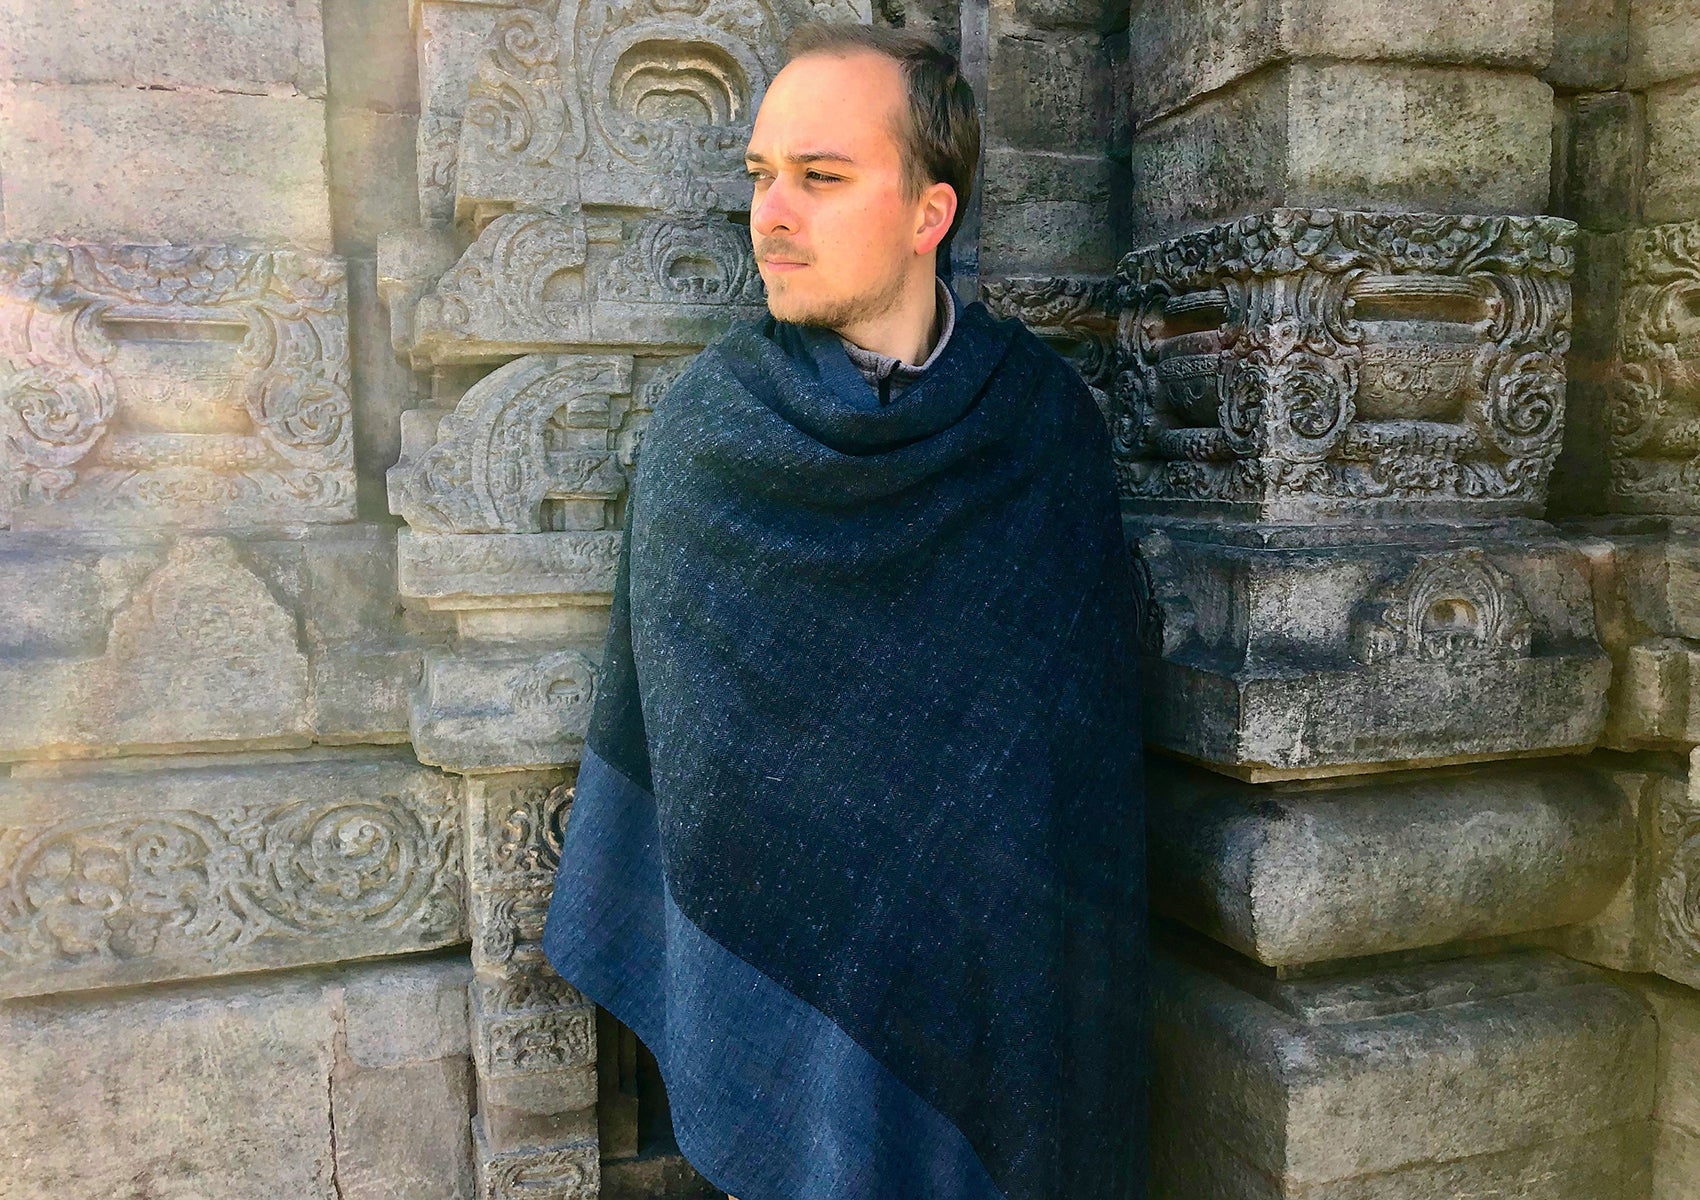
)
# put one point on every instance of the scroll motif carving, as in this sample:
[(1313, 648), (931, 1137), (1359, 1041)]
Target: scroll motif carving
[(498, 458), (186, 888), (1679, 883), (1654, 415), (1321, 362), (689, 260), (566, 1172), (555, 1040), (1076, 317), (1450, 608), (206, 384)]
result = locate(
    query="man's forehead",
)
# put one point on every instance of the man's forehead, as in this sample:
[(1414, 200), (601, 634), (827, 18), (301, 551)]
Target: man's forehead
[(829, 108)]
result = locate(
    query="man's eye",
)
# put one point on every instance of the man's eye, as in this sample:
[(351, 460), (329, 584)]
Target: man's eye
[(758, 176), (818, 177)]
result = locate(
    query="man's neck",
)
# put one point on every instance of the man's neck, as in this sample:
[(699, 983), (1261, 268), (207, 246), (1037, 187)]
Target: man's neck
[(908, 330)]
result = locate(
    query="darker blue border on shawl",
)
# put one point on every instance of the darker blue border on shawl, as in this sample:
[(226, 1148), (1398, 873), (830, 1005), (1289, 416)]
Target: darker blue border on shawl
[(769, 1098)]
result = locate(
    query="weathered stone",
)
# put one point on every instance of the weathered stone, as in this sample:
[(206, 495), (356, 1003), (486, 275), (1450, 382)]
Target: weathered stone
[(256, 46), (403, 1131), (1291, 876), (1048, 91), (1378, 136), (566, 1171), (1602, 139), (237, 1084), (1590, 44), (407, 1014), (1653, 415), (505, 570), (1677, 870), (1664, 41), (1282, 653), (532, 446), (382, 387), (1049, 212), (1324, 364), (1426, 1081), (372, 176), (109, 164), (503, 710), (1673, 152), (369, 55), (120, 878), (1183, 51), (203, 385), (540, 1060), (1676, 1163)]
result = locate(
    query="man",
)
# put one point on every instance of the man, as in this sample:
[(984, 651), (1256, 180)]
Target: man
[(856, 844)]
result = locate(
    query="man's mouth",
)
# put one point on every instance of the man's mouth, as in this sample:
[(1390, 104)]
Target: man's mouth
[(781, 264)]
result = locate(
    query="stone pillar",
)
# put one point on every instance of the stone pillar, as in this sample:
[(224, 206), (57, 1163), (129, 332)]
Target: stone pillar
[(1374, 672), (582, 233)]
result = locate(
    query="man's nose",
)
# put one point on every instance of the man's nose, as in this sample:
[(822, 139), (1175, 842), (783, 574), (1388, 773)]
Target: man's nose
[(772, 212)]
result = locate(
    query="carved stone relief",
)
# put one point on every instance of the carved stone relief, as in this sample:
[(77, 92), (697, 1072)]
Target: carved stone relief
[(1451, 608), (1075, 316), (198, 385), (493, 712), (1324, 363), (1677, 943), (1654, 417), (131, 878)]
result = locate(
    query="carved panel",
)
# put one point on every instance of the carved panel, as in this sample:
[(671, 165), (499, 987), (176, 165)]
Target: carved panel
[(199, 384), (489, 712), (568, 1171), (535, 430), (1322, 363), (131, 878), (1450, 608), (1076, 317), (1677, 946), (502, 570), (1654, 418)]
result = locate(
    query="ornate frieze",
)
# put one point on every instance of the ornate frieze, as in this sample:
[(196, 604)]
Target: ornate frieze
[(128, 878), (1075, 316), (1280, 653), (1316, 363), (1653, 422), (199, 385)]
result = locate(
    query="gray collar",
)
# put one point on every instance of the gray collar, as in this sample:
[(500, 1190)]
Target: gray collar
[(893, 373)]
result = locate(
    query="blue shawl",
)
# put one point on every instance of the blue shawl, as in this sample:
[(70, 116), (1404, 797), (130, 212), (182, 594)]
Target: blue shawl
[(857, 841)]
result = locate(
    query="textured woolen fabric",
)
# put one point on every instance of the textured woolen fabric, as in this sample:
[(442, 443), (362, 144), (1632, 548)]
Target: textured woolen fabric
[(867, 706)]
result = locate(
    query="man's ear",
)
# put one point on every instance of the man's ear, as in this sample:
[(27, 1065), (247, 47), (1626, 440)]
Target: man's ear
[(938, 210)]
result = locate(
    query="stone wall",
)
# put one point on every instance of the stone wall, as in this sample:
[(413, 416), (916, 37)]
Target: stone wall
[(328, 333)]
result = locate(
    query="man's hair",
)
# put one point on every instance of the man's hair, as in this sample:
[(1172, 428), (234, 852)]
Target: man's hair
[(940, 142)]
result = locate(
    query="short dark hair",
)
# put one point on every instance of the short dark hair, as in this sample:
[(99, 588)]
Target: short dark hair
[(941, 143)]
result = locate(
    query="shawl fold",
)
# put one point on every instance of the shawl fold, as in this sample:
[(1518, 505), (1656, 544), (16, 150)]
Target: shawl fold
[(857, 845)]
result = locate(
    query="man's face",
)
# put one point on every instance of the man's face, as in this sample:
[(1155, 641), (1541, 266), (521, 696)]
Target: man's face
[(834, 235)]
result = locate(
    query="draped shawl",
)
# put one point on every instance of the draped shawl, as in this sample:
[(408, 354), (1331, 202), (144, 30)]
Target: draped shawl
[(857, 845)]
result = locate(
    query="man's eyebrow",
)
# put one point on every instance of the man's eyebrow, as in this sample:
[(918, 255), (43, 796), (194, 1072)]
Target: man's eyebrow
[(807, 156)]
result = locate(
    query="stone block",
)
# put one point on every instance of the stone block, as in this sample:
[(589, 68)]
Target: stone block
[(1049, 213), (1450, 1079), (249, 1092), (110, 164), (456, 571), (1048, 91), (1649, 422), (1676, 1163), (1281, 653), (1602, 161), (564, 1171), (382, 386), (1676, 951), (1590, 44), (403, 1131), (449, 37), (1183, 51), (1305, 364), (1664, 41), (130, 877), (369, 56), (1293, 875), (408, 1014), (373, 184), (1380, 136), (204, 386), (1056, 14), (503, 710), (254, 46), (1673, 152)]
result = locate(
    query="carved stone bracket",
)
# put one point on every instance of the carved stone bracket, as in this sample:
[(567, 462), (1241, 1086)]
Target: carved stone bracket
[(1075, 316), (1317, 363), (1653, 423), (195, 385)]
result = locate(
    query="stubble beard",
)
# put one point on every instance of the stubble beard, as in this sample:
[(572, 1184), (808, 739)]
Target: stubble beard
[(837, 313)]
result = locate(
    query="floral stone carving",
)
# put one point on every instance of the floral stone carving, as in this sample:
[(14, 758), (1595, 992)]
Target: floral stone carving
[(1313, 363), (116, 879), (201, 385), (1653, 421)]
